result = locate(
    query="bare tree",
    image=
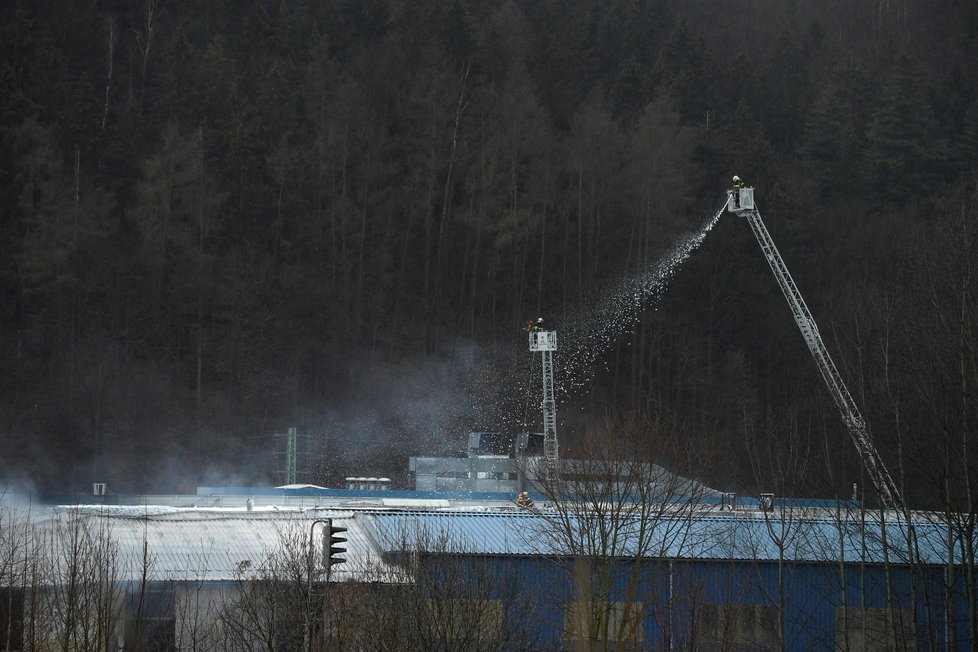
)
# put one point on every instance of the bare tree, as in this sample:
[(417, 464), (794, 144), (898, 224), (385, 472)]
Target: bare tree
[(926, 357), (614, 520), (108, 76), (17, 581), (427, 595), (197, 611), (144, 40), (271, 606), (77, 602)]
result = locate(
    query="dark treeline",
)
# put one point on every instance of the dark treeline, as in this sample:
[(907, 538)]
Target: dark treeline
[(221, 219)]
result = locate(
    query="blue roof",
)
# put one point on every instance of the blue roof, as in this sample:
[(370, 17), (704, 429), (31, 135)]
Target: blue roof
[(714, 536), (461, 532), (311, 491)]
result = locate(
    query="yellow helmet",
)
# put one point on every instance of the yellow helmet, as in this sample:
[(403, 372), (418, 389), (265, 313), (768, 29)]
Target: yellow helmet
[(539, 318), (736, 178)]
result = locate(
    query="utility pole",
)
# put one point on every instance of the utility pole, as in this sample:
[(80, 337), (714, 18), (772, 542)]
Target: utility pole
[(290, 455), (287, 454)]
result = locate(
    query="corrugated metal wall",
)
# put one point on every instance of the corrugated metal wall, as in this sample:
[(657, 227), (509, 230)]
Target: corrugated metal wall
[(713, 605)]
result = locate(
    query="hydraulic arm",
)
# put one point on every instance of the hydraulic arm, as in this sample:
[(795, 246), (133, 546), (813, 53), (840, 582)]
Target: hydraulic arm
[(741, 201)]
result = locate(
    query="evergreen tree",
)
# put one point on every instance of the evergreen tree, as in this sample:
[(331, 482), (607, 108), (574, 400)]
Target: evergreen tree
[(966, 149), (903, 156), (686, 72), (783, 86), (176, 210), (827, 139)]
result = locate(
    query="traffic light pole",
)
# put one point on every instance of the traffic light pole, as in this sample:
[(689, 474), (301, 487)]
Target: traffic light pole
[(333, 544)]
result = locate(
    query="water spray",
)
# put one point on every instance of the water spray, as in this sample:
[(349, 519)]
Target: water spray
[(585, 338), (497, 394)]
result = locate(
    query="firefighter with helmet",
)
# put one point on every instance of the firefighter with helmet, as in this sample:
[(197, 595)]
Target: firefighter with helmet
[(737, 186)]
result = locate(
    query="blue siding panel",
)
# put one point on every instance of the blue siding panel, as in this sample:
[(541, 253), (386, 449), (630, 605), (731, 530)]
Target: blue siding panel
[(740, 559), (807, 596)]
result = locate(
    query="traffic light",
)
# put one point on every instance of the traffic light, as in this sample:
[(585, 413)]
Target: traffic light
[(336, 545)]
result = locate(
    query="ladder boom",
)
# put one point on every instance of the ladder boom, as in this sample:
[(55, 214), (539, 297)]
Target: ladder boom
[(851, 416), (546, 343)]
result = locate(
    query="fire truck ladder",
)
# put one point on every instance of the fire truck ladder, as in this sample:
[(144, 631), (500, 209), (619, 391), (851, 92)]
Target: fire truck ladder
[(546, 343), (741, 201)]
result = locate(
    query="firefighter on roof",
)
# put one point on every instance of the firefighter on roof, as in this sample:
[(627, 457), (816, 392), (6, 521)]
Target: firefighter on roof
[(523, 500)]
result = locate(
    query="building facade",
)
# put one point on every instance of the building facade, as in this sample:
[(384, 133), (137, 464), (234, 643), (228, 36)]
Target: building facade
[(462, 572)]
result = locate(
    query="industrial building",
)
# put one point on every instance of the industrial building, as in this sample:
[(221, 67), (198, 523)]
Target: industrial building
[(476, 572), (645, 560)]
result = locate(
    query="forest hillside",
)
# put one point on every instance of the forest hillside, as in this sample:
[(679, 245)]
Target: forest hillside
[(219, 220)]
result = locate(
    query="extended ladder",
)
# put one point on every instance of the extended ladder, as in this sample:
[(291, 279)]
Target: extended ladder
[(742, 202), (546, 343)]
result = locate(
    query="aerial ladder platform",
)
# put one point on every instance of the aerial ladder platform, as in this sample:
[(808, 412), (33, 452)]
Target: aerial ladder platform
[(740, 201), (546, 343)]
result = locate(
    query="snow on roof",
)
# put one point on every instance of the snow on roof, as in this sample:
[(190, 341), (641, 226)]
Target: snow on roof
[(731, 536), (181, 544), (213, 544), (416, 503)]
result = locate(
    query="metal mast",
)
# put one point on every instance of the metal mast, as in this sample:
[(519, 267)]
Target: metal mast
[(741, 201), (546, 343), (290, 456)]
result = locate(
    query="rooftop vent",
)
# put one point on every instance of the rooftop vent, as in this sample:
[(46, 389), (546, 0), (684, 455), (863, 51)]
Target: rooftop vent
[(363, 483)]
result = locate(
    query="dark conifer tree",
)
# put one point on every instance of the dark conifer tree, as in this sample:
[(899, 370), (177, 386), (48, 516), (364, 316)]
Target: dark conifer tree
[(827, 138), (684, 69), (903, 156)]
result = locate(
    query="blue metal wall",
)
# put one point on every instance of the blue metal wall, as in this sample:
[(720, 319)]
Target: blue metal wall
[(807, 596)]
